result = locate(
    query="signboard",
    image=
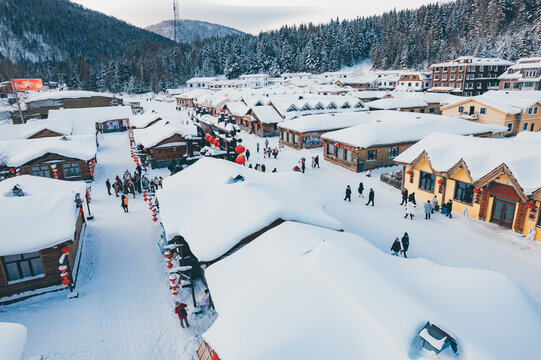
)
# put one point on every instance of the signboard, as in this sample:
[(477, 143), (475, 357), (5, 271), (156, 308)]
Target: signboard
[(27, 84)]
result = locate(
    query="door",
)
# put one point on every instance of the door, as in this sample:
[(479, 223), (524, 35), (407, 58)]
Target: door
[(472, 110), (503, 212)]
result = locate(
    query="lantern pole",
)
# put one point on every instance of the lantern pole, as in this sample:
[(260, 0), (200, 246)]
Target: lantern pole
[(90, 216)]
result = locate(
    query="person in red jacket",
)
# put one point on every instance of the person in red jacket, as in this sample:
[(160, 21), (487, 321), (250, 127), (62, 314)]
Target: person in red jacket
[(180, 310)]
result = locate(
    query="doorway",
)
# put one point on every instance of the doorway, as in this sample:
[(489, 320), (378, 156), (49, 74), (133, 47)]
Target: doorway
[(503, 212)]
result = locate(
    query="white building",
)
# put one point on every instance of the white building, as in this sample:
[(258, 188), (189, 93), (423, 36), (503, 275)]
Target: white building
[(414, 81), (200, 82), (255, 81)]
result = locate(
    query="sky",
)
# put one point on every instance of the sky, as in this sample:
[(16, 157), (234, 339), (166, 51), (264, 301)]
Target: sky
[(252, 16)]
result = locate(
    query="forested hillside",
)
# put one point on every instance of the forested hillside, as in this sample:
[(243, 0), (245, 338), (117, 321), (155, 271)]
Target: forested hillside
[(191, 30), (405, 39)]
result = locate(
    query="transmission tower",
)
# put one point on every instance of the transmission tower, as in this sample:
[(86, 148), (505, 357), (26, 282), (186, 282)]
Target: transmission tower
[(176, 21)]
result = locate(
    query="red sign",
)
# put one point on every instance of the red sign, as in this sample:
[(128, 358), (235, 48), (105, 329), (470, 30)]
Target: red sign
[(27, 84)]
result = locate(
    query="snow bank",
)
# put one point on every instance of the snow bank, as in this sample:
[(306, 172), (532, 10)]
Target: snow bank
[(94, 114), (521, 154), (162, 130), (322, 122), (58, 95), (213, 214), (12, 341), (19, 152), (394, 127), (45, 216), (397, 103), (302, 292)]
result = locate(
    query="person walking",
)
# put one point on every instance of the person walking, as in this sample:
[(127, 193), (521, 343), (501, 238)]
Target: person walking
[(313, 162), (108, 185), (266, 143), (411, 198), (409, 210), (317, 161), (263, 168), (247, 155), (405, 244), (180, 310), (161, 182), (434, 204), (449, 207), (404, 197), (348, 193), (360, 189), (257, 147), (371, 197), (124, 203), (395, 248), (116, 188), (428, 210), (303, 165)]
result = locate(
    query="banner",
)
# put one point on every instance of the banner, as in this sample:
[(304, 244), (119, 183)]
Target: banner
[(27, 84)]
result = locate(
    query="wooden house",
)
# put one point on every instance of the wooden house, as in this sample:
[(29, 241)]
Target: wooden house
[(237, 110), (494, 180), (66, 158), (36, 129), (39, 219), (105, 119), (386, 134), (262, 121), (145, 120)]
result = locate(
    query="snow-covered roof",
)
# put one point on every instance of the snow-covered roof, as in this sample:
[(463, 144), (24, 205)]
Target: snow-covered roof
[(213, 214), (12, 341), (237, 108), (69, 94), (303, 292), (473, 61), (267, 114), (162, 130), (94, 114), (45, 216), (394, 127), (24, 131), (403, 102), (520, 154), (370, 94), (510, 102), (193, 94), (143, 120), (202, 80), (322, 122), (19, 152)]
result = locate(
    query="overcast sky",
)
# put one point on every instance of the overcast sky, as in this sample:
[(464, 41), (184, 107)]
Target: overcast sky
[(250, 16)]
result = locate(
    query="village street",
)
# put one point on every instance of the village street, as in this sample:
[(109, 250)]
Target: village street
[(124, 309)]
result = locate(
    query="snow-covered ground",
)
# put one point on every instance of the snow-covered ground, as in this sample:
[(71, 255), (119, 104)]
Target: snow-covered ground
[(124, 308)]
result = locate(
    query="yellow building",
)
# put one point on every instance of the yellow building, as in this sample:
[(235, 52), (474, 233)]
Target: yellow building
[(518, 111), (494, 180)]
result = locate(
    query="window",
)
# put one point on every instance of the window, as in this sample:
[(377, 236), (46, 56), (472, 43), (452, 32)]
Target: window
[(506, 85), (470, 76), (431, 110), (427, 181), (371, 155), (516, 86), (479, 85), (436, 77), (23, 266), (452, 77), (464, 192), (483, 111), (444, 84), (458, 85), (71, 170), (283, 135), (530, 73), (295, 139), (330, 150), (459, 77), (289, 137), (490, 68), (422, 111), (533, 110), (453, 69), (525, 126), (461, 109), (444, 77), (393, 152), (481, 68), (445, 69), (509, 127), (340, 153), (42, 171), (349, 155)]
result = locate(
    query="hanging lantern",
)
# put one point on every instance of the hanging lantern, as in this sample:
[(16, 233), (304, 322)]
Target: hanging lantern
[(240, 149), (167, 253), (154, 218), (63, 268), (240, 160), (64, 275), (65, 282), (174, 148), (408, 172), (216, 142), (207, 137), (174, 292), (66, 250), (173, 286), (476, 191), (440, 181), (211, 139), (169, 265), (173, 278), (531, 206)]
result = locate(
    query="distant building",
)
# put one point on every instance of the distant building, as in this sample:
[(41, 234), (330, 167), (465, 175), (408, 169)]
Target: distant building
[(525, 75), (414, 81), (200, 82), (255, 81), (474, 76)]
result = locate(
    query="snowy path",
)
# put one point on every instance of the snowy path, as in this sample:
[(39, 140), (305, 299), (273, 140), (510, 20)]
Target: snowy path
[(124, 307)]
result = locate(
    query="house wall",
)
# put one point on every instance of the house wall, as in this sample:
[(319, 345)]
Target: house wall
[(299, 145), (492, 115), (534, 119), (45, 133), (49, 158), (162, 156)]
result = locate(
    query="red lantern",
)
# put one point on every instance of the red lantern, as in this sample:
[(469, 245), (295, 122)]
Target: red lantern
[(211, 139), (65, 282), (174, 292), (240, 160), (173, 278), (531, 206), (169, 266), (174, 148), (63, 268), (440, 181), (152, 151), (64, 275), (66, 249), (476, 191), (167, 253), (216, 142), (207, 137), (240, 149), (154, 218), (408, 172)]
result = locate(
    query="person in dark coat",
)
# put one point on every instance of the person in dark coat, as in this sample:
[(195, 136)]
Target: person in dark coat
[(108, 184), (360, 189), (411, 198), (316, 161), (274, 170), (371, 197), (449, 206), (139, 169), (247, 154), (257, 147), (405, 244), (395, 248), (404, 197), (263, 168), (180, 310), (303, 166), (348, 194)]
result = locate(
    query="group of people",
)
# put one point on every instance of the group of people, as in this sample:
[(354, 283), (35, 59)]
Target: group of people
[(360, 190), (430, 207), (396, 248)]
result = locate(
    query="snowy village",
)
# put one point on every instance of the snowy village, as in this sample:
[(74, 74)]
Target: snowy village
[(191, 191)]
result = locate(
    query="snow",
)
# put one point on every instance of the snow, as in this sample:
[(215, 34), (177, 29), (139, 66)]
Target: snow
[(45, 216), (205, 191), (12, 341), (397, 103), (96, 115), (394, 127), (237, 108), (70, 94), (143, 120), (322, 122), (481, 155), (436, 343), (20, 152), (267, 114), (473, 62), (162, 130), (510, 102), (318, 293), (24, 131)]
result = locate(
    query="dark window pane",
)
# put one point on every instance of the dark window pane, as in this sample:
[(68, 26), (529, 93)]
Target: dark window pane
[(11, 258), (36, 266), (12, 271), (25, 268)]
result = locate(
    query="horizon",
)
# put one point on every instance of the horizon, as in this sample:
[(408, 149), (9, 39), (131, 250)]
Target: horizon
[(244, 15)]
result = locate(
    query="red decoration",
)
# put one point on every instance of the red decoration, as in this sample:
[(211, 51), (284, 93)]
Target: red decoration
[(211, 139), (215, 357), (216, 142), (476, 191), (440, 181), (63, 268), (174, 148), (65, 282), (408, 172), (66, 249), (152, 151), (174, 292), (240, 149), (531, 206), (207, 137), (154, 218), (169, 265), (64, 275), (240, 160)]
